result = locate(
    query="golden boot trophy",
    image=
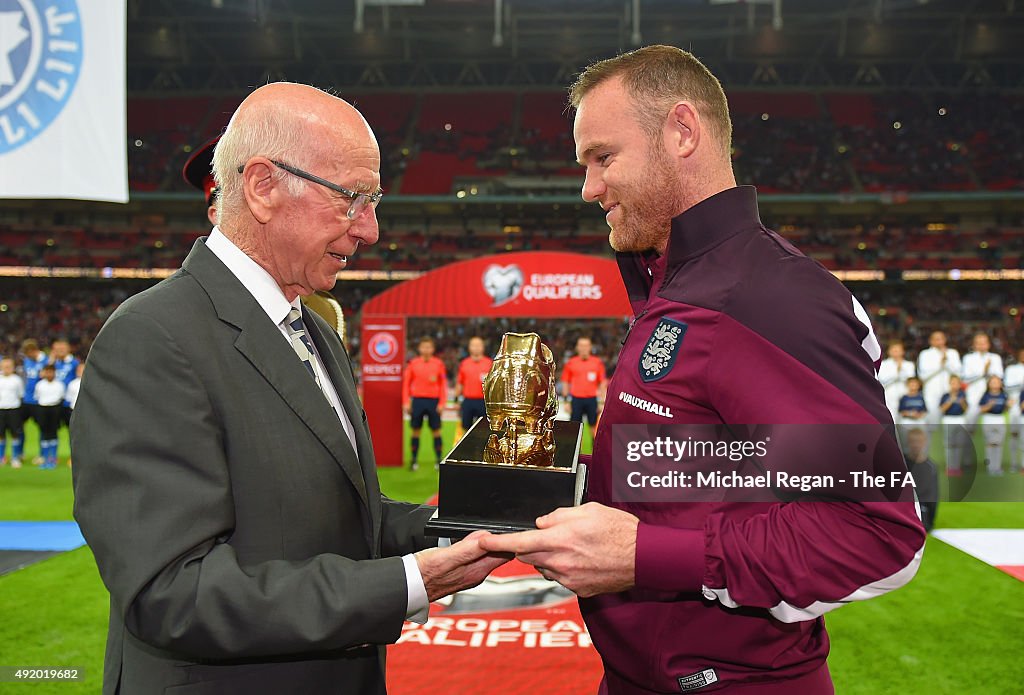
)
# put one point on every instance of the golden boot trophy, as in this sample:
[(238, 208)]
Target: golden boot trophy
[(519, 394), (518, 463)]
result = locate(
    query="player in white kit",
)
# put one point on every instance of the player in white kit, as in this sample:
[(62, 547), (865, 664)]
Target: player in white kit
[(979, 365), (935, 365), (893, 373)]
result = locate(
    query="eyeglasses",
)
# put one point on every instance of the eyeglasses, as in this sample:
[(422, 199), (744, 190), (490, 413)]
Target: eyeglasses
[(360, 201)]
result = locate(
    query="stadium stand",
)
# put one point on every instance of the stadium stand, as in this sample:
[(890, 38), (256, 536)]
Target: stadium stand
[(792, 142), (892, 244)]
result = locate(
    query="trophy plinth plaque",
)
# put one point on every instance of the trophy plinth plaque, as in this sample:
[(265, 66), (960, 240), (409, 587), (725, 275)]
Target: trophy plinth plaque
[(518, 463)]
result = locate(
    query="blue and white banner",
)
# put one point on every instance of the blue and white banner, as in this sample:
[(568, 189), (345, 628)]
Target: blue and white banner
[(62, 99)]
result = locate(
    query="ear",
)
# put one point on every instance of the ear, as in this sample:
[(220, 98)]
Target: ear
[(260, 189), (684, 129)]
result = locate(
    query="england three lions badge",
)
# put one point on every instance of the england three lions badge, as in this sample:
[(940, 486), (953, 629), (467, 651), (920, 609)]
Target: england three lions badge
[(661, 350)]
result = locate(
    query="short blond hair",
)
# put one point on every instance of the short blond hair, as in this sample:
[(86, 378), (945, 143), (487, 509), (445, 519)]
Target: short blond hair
[(657, 77)]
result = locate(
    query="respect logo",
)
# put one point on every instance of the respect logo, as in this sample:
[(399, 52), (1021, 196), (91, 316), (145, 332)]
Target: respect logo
[(40, 60), (383, 347)]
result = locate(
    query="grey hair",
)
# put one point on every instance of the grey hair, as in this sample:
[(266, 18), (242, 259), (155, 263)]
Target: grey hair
[(273, 135)]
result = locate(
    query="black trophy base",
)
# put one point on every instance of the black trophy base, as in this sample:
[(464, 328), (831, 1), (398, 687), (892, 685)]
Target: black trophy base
[(478, 496)]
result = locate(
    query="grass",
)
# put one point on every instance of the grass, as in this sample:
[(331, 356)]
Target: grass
[(954, 629)]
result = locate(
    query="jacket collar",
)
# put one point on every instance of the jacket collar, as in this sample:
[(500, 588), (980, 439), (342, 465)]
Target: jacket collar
[(260, 342), (712, 221), (693, 233)]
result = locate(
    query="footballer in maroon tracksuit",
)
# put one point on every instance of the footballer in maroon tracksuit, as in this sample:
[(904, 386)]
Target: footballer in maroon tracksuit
[(732, 594)]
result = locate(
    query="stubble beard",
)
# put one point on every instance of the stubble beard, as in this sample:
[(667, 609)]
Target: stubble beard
[(645, 223)]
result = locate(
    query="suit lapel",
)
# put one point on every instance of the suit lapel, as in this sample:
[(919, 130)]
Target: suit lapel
[(339, 369), (262, 344)]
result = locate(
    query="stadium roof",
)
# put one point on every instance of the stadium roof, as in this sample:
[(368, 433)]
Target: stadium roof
[(224, 45)]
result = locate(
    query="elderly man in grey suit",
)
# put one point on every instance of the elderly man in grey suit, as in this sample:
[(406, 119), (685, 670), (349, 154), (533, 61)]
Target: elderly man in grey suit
[(224, 475)]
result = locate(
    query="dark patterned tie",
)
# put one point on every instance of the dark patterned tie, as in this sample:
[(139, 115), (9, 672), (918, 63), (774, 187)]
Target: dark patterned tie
[(300, 343), (304, 349)]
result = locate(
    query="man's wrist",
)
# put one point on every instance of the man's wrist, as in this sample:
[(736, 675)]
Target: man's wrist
[(417, 603)]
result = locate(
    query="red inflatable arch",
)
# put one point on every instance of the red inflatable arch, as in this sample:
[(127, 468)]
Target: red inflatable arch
[(534, 284)]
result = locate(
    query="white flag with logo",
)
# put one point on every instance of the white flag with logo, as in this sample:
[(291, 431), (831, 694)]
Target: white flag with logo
[(62, 99)]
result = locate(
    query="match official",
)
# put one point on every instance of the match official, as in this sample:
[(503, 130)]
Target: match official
[(469, 383), (584, 381), (424, 392)]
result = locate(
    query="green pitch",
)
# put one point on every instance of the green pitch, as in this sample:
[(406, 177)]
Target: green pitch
[(954, 629)]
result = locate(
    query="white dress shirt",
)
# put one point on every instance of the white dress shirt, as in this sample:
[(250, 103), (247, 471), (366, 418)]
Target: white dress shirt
[(271, 299)]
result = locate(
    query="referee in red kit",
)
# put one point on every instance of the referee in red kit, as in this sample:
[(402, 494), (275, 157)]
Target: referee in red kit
[(584, 378), (469, 383), (424, 392)]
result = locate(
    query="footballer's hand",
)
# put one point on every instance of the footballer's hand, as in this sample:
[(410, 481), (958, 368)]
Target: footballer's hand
[(589, 550), (461, 565)]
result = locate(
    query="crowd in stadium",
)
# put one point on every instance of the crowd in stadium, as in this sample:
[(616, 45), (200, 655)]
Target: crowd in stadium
[(870, 244), (785, 142)]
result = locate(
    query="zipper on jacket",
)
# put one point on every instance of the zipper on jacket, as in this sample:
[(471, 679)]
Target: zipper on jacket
[(633, 323)]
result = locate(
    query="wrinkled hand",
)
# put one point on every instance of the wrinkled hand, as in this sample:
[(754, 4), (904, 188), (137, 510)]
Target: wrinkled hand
[(463, 565), (589, 549)]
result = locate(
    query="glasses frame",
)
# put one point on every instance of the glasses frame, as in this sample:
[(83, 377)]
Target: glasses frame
[(359, 201)]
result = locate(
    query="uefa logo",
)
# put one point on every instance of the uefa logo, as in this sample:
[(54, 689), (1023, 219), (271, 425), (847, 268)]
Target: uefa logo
[(40, 59), (503, 284), (383, 347)]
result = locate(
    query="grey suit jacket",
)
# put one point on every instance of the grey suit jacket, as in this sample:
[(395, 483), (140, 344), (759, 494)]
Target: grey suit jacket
[(245, 547)]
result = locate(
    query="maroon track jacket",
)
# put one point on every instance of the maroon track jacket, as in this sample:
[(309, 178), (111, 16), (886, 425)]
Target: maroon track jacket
[(732, 594)]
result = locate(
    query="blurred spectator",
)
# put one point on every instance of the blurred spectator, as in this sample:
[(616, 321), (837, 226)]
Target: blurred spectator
[(924, 472)]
